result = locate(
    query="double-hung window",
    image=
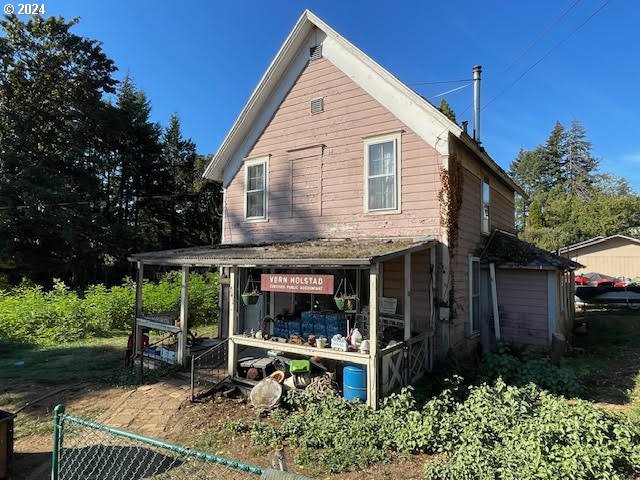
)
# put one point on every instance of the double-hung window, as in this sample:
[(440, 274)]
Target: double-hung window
[(382, 174), (486, 207), (256, 188)]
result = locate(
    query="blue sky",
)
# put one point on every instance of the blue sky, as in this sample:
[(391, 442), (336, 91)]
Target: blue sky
[(202, 60)]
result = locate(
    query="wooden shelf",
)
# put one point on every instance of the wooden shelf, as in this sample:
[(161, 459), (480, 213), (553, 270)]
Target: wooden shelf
[(146, 322), (352, 357)]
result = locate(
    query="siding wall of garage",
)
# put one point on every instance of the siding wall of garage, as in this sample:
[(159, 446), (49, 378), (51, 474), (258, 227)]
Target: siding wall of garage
[(523, 305), (617, 257)]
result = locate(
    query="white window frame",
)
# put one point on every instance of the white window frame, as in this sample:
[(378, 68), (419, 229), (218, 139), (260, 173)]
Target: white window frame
[(396, 138), (485, 230), (251, 162), (470, 327)]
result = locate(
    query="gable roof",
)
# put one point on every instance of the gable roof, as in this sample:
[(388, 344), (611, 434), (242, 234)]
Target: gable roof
[(413, 110), (595, 241), (507, 250)]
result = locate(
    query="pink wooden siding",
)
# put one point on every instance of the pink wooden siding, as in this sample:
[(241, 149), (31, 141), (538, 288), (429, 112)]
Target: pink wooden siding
[(393, 281), (321, 157), (522, 303), (394, 287), (469, 236), (502, 211), (420, 284)]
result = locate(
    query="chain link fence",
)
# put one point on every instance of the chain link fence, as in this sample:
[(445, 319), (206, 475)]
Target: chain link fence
[(86, 450)]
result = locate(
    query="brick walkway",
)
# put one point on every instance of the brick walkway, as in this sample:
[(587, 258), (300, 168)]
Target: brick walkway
[(149, 409)]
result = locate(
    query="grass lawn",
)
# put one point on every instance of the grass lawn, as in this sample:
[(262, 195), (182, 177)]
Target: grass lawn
[(609, 359), (84, 360)]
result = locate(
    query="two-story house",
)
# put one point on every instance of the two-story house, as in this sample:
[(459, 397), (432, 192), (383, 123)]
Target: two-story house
[(341, 181)]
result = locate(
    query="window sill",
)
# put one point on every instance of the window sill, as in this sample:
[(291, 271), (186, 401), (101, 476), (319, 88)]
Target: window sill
[(394, 211), (256, 220)]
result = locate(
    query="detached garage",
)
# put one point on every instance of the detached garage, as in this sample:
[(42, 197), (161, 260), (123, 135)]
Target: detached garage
[(616, 256)]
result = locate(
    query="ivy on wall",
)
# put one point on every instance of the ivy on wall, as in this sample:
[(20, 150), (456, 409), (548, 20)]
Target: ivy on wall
[(450, 196)]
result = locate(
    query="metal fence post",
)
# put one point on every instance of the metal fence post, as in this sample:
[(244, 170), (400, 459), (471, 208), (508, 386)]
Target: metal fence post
[(58, 416)]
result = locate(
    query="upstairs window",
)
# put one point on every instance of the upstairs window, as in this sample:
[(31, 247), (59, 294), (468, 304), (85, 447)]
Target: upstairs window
[(486, 203), (382, 167), (256, 189)]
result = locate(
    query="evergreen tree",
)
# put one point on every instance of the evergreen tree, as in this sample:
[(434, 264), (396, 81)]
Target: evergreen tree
[(447, 110), (553, 158), (579, 165), (51, 85)]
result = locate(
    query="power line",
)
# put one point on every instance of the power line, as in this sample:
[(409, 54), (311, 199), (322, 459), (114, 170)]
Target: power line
[(452, 90), (102, 202), (540, 37), (440, 82), (549, 52)]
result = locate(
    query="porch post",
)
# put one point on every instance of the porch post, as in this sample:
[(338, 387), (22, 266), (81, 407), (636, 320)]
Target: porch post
[(137, 332), (407, 296), (231, 356), (184, 315), (372, 369), (494, 299)]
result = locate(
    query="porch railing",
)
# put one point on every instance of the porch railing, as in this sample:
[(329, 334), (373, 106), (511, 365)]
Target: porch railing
[(208, 370)]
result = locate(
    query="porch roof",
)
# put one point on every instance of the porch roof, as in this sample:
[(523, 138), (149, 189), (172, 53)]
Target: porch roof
[(508, 251), (343, 252)]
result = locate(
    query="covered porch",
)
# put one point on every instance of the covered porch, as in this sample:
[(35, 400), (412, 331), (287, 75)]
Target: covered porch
[(297, 293)]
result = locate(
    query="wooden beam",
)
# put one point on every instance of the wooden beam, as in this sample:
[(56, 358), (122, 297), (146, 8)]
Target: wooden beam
[(349, 357), (184, 316), (433, 288), (552, 305), (372, 368), (137, 330), (443, 297), (231, 356), (494, 299), (407, 296)]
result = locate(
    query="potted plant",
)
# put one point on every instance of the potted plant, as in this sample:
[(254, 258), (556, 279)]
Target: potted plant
[(250, 298), (251, 294), (345, 300)]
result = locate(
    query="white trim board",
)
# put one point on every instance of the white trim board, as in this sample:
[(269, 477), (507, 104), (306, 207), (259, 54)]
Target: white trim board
[(414, 111)]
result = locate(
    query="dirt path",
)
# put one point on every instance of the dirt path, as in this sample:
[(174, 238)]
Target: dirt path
[(149, 410)]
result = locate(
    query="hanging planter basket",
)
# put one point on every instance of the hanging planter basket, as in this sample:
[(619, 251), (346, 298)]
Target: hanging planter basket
[(250, 298), (345, 300), (251, 295)]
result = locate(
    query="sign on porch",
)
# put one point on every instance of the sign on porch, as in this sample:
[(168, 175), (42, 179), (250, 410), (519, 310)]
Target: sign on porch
[(297, 283)]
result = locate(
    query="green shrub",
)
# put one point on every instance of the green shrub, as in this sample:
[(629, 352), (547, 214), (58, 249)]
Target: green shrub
[(498, 431), (524, 432), (31, 315), (516, 369)]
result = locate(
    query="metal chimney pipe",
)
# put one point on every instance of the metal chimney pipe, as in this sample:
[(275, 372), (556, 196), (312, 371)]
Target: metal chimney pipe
[(477, 70)]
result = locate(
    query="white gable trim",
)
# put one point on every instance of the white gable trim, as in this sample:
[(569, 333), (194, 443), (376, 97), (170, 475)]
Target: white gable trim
[(262, 119), (417, 114), (410, 108)]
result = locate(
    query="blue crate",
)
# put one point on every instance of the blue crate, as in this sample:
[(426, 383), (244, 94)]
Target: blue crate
[(320, 328), (294, 328)]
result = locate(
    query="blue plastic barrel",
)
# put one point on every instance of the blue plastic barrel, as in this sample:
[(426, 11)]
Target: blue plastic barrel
[(354, 382)]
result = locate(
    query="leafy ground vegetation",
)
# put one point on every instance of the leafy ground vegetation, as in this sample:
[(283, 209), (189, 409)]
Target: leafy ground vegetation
[(518, 417), (32, 316)]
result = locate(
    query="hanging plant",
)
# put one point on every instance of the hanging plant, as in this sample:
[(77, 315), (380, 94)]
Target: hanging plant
[(346, 299), (251, 294)]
